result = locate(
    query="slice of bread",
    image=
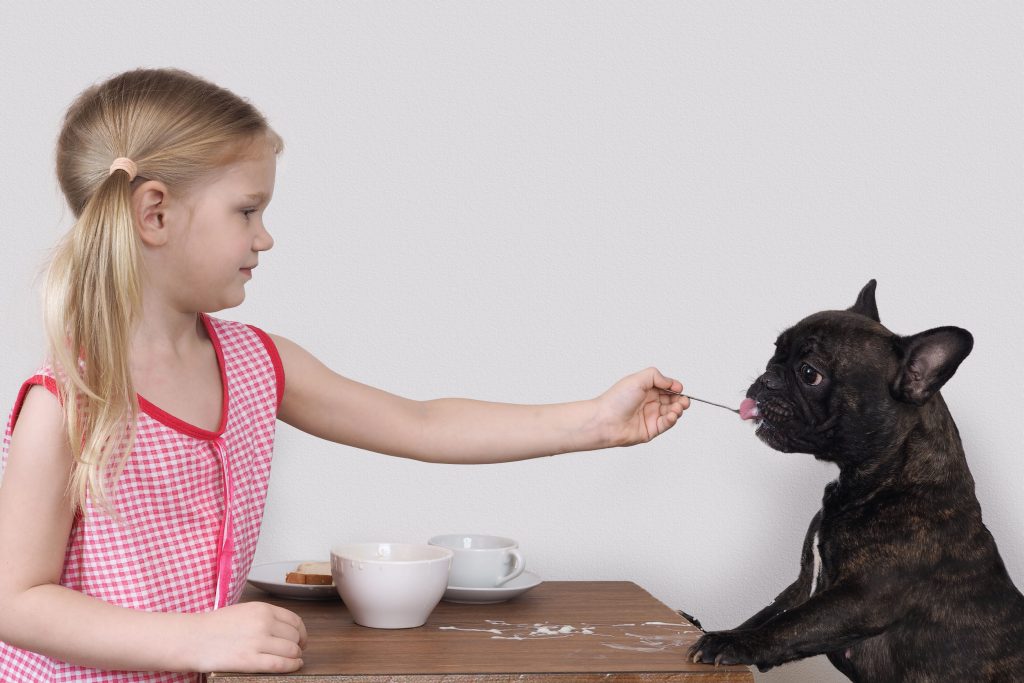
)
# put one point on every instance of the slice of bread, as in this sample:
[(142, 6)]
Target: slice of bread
[(311, 574)]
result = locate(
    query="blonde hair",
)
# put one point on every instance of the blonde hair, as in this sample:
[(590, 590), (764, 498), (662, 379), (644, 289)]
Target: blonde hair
[(178, 129)]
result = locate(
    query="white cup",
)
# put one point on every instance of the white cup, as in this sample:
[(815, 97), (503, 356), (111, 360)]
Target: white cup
[(481, 561)]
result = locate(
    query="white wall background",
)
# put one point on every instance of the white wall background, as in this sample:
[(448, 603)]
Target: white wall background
[(526, 201)]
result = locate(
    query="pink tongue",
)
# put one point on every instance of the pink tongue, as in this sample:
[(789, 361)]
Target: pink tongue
[(748, 409)]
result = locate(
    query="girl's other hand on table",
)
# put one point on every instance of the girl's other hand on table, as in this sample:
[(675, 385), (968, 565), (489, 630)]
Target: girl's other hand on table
[(249, 637)]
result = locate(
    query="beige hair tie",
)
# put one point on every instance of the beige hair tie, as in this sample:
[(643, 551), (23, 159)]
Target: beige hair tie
[(126, 165)]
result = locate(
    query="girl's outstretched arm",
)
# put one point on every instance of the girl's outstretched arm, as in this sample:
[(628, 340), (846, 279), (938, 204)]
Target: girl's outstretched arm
[(40, 615), (454, 430)]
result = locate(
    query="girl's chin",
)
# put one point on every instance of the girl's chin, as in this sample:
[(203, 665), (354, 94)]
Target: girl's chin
[(226, 302)]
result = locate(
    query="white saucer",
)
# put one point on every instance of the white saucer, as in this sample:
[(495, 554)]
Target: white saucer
[(487, 596), (270, 578)]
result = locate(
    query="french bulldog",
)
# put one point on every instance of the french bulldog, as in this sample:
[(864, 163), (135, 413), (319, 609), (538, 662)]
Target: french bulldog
[(899, 578)]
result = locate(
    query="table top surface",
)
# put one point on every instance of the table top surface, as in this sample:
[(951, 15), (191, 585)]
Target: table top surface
[(568, 630)]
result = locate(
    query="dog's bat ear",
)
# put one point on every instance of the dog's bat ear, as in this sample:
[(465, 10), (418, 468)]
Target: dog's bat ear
[(929, 359), (866, 302)]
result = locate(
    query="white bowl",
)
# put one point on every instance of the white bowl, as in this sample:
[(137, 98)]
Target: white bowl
[(390, 585)]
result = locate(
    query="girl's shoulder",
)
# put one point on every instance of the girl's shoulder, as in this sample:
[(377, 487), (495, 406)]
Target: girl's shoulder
[(44, 376), (246, 348)]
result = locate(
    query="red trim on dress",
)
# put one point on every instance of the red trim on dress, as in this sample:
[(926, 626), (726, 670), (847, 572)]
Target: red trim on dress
[(275, 358), (155, 411), (36, 380)]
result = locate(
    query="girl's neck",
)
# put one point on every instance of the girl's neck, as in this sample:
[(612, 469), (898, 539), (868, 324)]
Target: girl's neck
[(174, 366), (176, 334)]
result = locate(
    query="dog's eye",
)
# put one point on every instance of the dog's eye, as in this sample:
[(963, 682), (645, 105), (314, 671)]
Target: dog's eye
[(809, 375)]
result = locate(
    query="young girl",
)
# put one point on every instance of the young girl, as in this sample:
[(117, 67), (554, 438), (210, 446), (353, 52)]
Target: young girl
[(136, 460)]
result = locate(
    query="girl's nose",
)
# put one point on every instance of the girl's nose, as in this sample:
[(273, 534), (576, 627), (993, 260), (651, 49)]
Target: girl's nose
[(263, 241)]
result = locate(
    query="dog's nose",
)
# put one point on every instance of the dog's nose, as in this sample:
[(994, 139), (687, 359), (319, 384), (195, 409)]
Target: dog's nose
[(772, 380)]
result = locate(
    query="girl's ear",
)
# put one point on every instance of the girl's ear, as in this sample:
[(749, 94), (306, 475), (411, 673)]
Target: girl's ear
[(149, 203)]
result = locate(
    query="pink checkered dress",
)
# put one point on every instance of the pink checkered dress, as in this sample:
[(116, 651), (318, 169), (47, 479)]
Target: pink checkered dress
[(190, 503)]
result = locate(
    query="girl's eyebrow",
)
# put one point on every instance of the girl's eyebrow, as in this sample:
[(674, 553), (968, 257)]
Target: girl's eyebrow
[(257, 197)]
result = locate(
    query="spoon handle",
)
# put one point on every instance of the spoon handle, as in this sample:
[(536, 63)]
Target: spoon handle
[(694, 398)]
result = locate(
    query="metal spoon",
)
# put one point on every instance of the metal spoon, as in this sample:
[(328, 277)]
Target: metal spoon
[(693, 398)]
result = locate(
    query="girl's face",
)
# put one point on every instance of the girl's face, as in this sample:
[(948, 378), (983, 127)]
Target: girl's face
[(222, 234)]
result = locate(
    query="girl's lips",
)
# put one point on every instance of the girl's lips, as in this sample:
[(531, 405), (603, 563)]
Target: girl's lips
[(749, 409)]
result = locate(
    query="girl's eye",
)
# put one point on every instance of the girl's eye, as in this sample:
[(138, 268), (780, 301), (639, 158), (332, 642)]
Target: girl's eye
[(809, 375), (247, 212)]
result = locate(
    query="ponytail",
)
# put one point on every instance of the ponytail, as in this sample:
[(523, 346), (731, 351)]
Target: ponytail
[(93, 296)]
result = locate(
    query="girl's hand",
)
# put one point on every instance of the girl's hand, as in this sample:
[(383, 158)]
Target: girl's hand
[(249, 637), (635, 410)]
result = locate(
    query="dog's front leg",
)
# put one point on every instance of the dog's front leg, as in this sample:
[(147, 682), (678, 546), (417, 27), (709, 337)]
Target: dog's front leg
[(829, 621), (785, 601)]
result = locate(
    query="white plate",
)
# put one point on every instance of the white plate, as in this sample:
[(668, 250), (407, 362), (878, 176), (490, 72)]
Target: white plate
[(487, 596), (270, 578)]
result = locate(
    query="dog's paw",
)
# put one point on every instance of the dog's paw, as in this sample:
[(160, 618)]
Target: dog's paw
[(723, 647)]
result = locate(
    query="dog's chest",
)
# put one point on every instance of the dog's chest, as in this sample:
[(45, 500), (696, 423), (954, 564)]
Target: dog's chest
[(815, 562), (838, 532), (825, 559), (822, 550)]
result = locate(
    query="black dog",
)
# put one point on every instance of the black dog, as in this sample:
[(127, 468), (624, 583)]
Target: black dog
[(899, 578)]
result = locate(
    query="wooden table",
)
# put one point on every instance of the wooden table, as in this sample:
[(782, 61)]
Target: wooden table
[(559, 631)]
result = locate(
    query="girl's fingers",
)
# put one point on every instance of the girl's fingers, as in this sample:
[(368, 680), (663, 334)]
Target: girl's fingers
[(274, 664), (670, 402), (673, 400), (293, 620), (282, 647), (660, 381), (285, 615), (281, 629)]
